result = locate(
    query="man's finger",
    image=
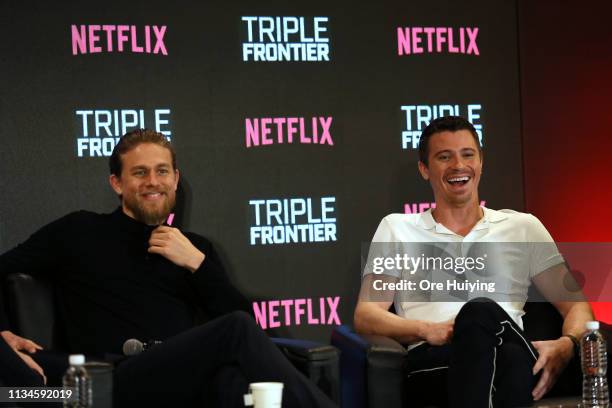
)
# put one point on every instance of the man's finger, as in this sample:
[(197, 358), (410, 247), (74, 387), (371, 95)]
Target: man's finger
[(32, 364), (31, 346), (536, 391), (156, 242), (160, 235), (538, 365), (22, 344), (156, 250), (162, 228), (542, 386)]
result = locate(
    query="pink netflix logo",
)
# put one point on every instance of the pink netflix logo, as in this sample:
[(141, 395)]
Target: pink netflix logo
[(276, 313), (419, 40), (417, 208), (279, 130), (94, 39)]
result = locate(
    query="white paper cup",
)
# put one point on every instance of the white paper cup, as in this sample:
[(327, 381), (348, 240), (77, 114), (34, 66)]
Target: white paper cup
[(264, 395)]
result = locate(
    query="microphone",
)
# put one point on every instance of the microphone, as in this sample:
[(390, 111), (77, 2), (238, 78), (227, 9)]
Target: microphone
[(133, 347)]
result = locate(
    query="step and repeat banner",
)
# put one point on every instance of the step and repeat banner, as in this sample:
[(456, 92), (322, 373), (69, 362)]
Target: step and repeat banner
[(295, 124)]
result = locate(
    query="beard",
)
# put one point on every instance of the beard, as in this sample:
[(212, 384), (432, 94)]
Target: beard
[(151, 215)]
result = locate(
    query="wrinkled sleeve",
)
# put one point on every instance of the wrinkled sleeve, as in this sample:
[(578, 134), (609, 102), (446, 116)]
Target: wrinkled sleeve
[(544, 253), (217, 294), (383, 246)]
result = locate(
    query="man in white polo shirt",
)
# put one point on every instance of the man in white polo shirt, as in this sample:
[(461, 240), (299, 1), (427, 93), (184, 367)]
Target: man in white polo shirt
[(468, 332)]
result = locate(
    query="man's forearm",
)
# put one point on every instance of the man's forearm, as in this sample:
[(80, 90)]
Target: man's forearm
[(371, 319), (577, 315)]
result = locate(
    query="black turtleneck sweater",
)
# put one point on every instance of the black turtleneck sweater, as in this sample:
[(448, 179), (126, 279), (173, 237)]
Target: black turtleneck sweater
[(111, 289)]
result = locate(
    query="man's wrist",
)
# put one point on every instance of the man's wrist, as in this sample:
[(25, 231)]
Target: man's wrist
[(423, 329), (574, 342), (197, 262)]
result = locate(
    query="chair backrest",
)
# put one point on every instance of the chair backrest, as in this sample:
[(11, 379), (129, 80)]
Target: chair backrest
[(30, 306)]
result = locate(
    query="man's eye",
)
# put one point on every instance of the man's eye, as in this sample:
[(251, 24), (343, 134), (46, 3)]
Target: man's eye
[(443, 157), (163, 171), (139, 173)]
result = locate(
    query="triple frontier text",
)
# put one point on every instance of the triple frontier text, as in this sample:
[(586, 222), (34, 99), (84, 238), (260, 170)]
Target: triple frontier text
[(417, 117), (278, 39), (293, 220), (99, 130)]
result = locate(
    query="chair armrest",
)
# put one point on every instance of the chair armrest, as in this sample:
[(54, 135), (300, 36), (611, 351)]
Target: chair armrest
[(305, 349), (319, 362), (30, 308), (371, 367)]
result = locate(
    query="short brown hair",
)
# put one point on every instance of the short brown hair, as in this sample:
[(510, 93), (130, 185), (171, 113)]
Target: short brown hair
[(132, 139), (442, 124)]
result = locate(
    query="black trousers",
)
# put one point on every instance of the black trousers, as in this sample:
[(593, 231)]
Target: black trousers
[(488, 363), (208, 366)]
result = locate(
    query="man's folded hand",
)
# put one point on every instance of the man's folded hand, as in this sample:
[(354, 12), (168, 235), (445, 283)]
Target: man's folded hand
[(173, 245), (554, 356), (20, 344)]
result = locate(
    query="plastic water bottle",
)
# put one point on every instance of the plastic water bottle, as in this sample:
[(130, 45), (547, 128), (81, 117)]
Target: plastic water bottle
[(76, 377), (594, 368)]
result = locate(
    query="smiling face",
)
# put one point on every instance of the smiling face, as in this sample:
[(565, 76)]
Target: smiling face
[(454, 168), (147, 184)]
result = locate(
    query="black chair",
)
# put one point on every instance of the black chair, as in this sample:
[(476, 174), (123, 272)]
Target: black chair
[(30, 305), (373, 368)]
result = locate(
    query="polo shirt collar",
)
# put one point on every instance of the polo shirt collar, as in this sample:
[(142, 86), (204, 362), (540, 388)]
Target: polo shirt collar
[(493, 215), (427, 221)]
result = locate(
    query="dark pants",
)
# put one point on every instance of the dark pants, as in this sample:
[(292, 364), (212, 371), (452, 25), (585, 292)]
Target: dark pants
[(488, 363), (209, 366)]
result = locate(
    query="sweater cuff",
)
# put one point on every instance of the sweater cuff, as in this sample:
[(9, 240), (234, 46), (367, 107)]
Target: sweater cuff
[(3, 322)]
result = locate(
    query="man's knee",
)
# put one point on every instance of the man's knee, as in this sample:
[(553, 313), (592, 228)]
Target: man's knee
[(479, 311), (241, 317), (240, 320), (478, 308)]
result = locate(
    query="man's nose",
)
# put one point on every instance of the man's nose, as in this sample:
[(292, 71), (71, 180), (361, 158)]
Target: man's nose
[(457, 162), (152, 179)]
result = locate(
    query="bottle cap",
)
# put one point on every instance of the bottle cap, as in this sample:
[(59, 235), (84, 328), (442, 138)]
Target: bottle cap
[(593, 325), (76, 359)]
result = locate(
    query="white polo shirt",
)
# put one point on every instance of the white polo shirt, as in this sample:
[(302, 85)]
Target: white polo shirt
[(515, 264)]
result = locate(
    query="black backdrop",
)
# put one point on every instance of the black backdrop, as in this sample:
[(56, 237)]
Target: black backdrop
[(210, 91)]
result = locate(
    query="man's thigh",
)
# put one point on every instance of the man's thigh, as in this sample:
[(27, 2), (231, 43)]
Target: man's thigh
[(181, 369)]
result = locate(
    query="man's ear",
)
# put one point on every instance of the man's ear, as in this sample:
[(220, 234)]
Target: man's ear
[(176, 174), (115, 183), (423, 170)]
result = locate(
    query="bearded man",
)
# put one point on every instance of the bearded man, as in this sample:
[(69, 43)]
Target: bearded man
[(128, 274)]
